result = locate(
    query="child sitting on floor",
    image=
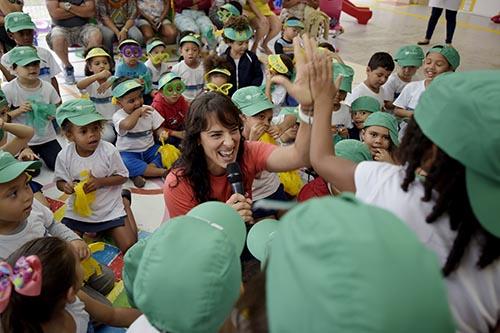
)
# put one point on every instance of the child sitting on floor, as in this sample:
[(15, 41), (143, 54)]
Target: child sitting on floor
[(292, 28), (217, 74), (157, 61), (361, 108)]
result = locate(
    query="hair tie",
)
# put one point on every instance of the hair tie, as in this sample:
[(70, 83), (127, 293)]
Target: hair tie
[(25, 276)]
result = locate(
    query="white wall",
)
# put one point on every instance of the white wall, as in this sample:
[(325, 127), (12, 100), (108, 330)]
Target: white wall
[(486, 8)]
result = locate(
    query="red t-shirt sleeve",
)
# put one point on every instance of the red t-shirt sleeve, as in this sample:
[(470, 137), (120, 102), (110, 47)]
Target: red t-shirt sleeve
[(178, 195), (256, 155)]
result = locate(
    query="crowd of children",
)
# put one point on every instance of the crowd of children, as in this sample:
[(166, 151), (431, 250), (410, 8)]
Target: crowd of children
[(409, 207)]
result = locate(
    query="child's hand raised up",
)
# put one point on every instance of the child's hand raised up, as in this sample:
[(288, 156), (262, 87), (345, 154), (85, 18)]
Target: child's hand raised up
[(144, 110), (256, 131)]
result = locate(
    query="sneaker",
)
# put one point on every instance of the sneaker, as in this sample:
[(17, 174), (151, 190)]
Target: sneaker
[(139, 181), (69, 75)]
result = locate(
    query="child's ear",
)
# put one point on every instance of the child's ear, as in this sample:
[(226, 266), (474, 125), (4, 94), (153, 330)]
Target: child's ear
[(11, 35), (243, 117), (368, 69), (71, 295)]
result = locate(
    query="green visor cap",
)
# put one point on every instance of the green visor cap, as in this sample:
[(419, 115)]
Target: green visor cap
[(125, 87), (410, 55), (290, 111), (10, 168), (166, 78), (79, 112), (193, 264), (154, 43), (3, 99), (365, 103), (128, 41), (348, 75), (386, 120), (260, 237), (467, 103), (224, 218), (449, 52), (251, 100), (339, 265), (231, 8), (23, 55), (191, 39), (239, 36), (294, 23), (17, 21), (353, 150)]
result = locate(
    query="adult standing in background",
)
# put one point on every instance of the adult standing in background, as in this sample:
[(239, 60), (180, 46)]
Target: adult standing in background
[(437, 6), (7, 7)]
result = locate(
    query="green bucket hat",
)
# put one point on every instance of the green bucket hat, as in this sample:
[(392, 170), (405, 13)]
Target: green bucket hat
[(185, 277), (467, 103), (152, 44), (224, 218), (251, 100), (290, 111), (339, 265), (348, 75), (365, 103), (449, 52), (124, 87), (294, 23), (191, 38), (79, 112), (23, 55), (410, 55), (10, 168), (166, 78), (353, 150), (239, 36), (17, 21), (259, 238), (383, 119)]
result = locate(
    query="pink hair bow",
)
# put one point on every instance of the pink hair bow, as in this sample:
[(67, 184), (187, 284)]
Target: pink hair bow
[(25, 276)]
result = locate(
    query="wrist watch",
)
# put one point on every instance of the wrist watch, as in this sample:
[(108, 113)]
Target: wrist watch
[(67, 6)]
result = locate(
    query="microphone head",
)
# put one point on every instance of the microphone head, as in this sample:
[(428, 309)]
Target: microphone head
[(233, 172)]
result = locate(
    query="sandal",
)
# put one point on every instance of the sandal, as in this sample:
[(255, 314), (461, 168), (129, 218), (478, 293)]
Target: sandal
[(424, 42)]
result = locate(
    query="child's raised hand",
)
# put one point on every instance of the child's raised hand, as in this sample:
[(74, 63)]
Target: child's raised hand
[(104, 75), (27, 155), (256, 131), (275, 131), (321, 77), (92, 183), (81, 249), (383, 155), (145, 110)]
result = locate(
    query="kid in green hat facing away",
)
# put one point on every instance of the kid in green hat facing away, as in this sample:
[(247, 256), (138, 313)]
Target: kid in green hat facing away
[(452, 206)]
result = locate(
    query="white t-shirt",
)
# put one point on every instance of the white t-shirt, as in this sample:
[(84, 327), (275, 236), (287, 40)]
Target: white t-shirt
[(393, 87), (156, 73), (104, 162), (140, 138), (445, 4), (192, 77), (278, 94), (142, 325), (363, 90), (102, 101), (49, 67), (410, 95), (45, 93), (342, 116), (473, 294), (79, 315)]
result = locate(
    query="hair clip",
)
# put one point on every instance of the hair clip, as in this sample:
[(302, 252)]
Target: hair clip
[(159, 58), (223, 89), (25, 276)]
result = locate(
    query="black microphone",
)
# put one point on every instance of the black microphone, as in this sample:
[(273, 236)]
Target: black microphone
[(235, 178)]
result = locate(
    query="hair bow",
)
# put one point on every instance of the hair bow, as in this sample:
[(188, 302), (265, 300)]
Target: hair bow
[(25, 276), (223, 89), (160, 57)]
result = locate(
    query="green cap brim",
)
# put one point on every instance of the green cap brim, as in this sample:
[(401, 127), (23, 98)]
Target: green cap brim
[(190, 39), (128, 41), (27, 61), (15, 169), (239, 36), (410, 62), (154, 44), (123, 88), (22, 27), (294, 24), (166, 78), (259, 238), (257, 107), (483, 195), (84, 119)]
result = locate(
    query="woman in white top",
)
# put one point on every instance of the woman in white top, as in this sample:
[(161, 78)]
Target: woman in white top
[(437, 6), (446, 188)]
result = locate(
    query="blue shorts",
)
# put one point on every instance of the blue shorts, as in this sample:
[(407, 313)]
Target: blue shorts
[(91, 226), (137, 163)]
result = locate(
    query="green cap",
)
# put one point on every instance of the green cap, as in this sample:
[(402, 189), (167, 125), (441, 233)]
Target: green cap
[(128, 41), (17, 21), (290, 111), (294, 23), (166, 78), (383, 119), (449, 52), (239, 36), (3, 99), (191, 39), (459, 113), (10, 168), (339, 265), (185, 277), (125, 87), (348, 75), (23, 55), (410, 55), (231, 8), (154, 43), (79, 112), (251, 100), (225, 218), (365, 103), (259, 238), (353, 150)]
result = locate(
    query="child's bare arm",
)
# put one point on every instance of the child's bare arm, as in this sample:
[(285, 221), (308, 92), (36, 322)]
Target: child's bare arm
[(94, 183), (403, 113), (131, 120), (25, 107), (22, 134), (65, 187), (83, 84)]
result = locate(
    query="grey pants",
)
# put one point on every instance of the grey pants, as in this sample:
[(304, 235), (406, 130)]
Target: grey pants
[(108, 36)]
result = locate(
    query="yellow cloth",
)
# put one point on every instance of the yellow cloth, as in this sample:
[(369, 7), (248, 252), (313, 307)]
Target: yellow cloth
[(262, 7), (169, 154), (83, 201)]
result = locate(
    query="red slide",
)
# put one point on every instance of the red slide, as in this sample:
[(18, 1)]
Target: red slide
[(362, 14)]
